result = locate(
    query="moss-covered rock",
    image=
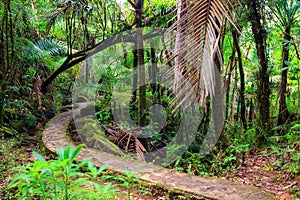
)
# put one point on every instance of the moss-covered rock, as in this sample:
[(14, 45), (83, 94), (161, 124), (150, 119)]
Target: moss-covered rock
[(94, 137)]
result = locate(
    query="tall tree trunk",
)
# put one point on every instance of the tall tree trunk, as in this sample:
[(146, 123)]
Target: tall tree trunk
[(263, 92), (235, 36), (8, 70), (251, 114), (141, 69), (233, 98), (141, 64), (37, 32), (228, 82), (153, 70), (135, 75), (283, 110), (3, 69)]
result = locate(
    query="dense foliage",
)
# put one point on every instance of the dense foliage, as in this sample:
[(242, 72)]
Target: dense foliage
[(44, 45)]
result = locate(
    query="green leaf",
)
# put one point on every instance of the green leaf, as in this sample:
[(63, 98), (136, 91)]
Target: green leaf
[(38, 156), (26, 189), (81, 164), (101, 169), (296, 127), (75, 152), (118, 178), (60, 152), (43, 186), (107, 187), (143, 191), (287, 63), (8, 130), (67, 152)]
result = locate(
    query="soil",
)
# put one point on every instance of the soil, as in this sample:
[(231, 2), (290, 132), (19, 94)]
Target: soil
[(260, 170)]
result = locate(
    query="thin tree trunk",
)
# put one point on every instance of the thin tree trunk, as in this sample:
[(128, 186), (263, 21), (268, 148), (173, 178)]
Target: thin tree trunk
[(233, 99), (1, 82), (153, 70), (135, 75), (141, 64), (251, 111), (235, 36), (263, 92), (35, 18), (228, 81), (283, 110)]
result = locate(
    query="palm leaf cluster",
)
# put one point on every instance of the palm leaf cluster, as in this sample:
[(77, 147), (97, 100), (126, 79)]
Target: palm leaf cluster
[(194, 45), (286, 11), (42, 49), (64, 7)]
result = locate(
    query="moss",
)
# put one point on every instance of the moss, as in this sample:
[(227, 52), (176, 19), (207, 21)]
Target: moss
[(94, 137)]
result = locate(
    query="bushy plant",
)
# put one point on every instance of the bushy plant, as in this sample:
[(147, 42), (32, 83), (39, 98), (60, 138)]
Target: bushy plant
[(65, 179)]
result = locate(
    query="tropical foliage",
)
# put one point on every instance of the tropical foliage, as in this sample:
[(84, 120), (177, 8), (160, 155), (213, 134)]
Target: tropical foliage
[(236, 63)]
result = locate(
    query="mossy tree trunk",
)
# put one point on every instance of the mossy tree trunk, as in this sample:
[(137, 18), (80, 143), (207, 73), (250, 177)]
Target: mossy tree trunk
[(141, 68), (283, 110), (263, 93)]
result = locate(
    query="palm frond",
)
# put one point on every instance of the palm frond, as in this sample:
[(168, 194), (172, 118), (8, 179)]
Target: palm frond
[(42, 48), (140, 149), (195, 45), (52, 47)]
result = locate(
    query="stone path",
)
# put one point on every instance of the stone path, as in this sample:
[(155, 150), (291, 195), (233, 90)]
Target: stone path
[(194, 187)]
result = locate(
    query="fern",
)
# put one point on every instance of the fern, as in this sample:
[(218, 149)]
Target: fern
[(50, 46), (260, 130), (295, 127), (42, 49)]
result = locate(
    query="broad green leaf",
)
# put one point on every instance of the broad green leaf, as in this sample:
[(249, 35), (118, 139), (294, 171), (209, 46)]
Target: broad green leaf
[(75, 152), (60, 152), (67, 152), (287, 63), (38, 156), (283, 69)]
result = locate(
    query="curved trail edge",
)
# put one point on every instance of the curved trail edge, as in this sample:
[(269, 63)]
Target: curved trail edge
[(197, 187)]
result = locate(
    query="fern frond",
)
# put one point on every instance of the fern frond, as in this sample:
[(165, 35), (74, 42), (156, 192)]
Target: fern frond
[(41, 49)]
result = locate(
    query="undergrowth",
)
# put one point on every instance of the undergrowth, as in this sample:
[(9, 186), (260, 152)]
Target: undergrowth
[(62, 178)]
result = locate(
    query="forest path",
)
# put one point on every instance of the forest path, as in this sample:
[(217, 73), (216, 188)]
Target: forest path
[(193, 187)]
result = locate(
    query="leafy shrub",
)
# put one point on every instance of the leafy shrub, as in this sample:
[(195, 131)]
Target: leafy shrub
[(63, 179), (30, 120)]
